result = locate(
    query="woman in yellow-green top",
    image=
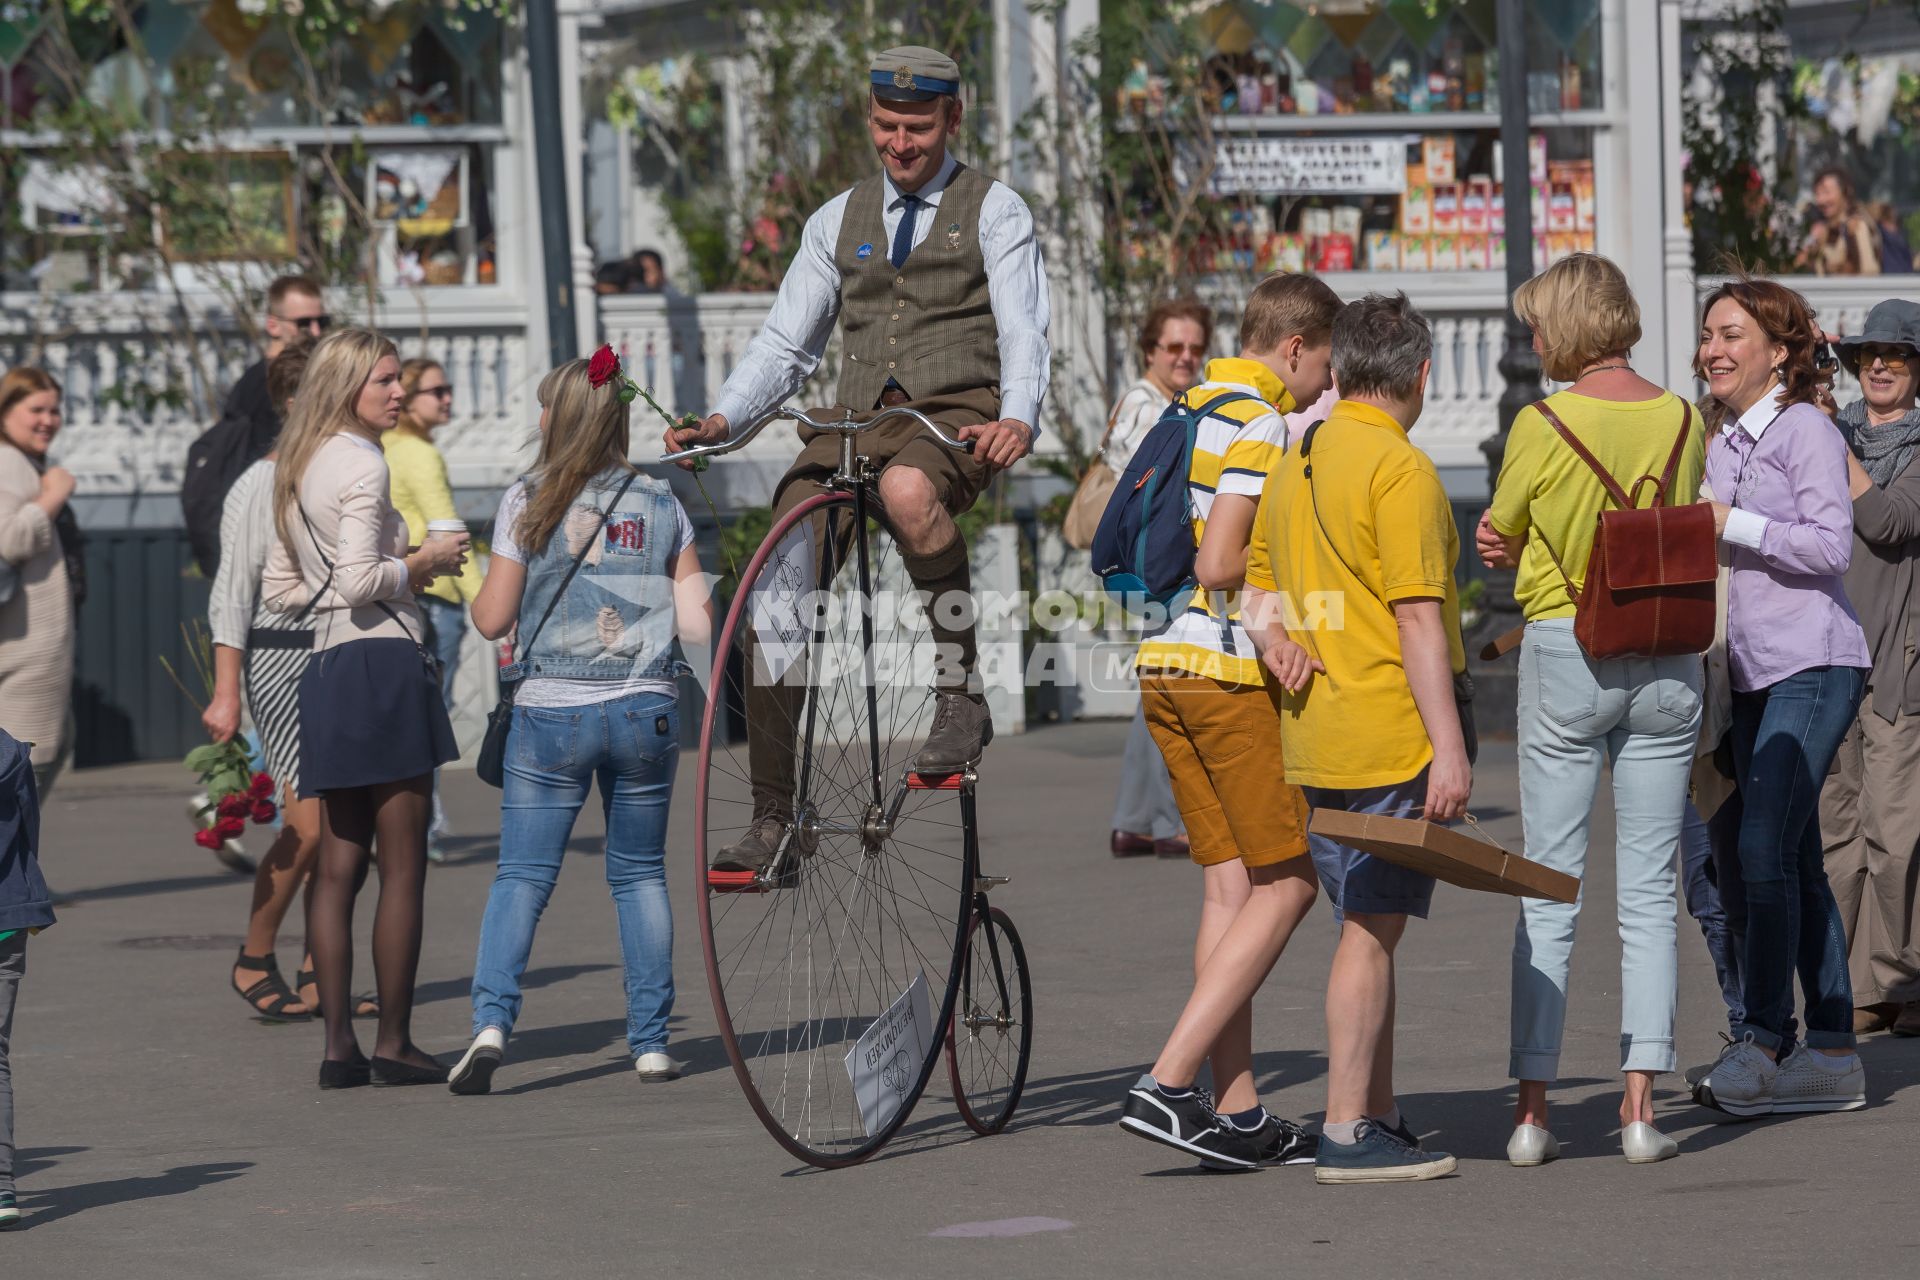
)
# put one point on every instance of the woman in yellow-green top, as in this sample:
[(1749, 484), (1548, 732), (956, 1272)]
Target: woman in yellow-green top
[(420, 493), (1576, 713)]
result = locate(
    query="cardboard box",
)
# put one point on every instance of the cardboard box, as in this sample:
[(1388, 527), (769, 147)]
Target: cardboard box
[(1333, 253), (1583, 196), (1476, 203), (1475, 253), (1315, 223), (1416, 206), (1537, 158), (1445, 854), (1560, 244), (1383, 251), (1413, 253), (1446, 208), (1346, 221), (1436, 155), (1497, 252), (1290, 252), (1443, 253)]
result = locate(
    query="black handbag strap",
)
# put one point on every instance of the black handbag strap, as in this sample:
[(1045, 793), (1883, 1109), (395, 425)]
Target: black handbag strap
[(507, 694), (315, 599)]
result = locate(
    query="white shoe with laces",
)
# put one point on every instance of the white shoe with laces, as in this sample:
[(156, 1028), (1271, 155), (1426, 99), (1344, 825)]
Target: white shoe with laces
[(1813, 1081), (1742, 1081), (656, 1066)]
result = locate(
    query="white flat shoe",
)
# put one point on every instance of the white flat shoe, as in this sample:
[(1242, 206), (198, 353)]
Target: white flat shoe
[(653, 1067), (474, 1072), (1641, 1143), (1531, 1145)]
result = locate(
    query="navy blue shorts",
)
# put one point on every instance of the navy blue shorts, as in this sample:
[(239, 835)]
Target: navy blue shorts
[(1357, 881)]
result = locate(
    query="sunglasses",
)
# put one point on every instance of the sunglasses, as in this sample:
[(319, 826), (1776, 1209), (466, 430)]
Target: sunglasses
[(1183, 348), (441, 393), (1895, 358), (312, 324)]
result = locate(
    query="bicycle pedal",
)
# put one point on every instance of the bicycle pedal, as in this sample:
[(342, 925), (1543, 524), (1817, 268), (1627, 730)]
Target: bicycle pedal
[(983, 883), (747, 882), (937, 782)]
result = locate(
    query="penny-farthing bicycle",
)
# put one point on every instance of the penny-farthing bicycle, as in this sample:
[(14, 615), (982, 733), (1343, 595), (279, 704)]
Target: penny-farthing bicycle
[(867, 950)]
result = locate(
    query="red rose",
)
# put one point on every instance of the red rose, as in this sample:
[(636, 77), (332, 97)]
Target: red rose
[(603, 366), (230, 828), (262, 786), (233, 806), (264, 812), (207, 838)]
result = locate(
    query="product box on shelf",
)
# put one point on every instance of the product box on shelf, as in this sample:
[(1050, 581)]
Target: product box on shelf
[(1443, 253), (1446, 208), (1474, 253), (1413, 252), (1583, 197), (1475, 200), (1416, 204), (1382, 251), (1560, 209), (1437, 157), (1333, 253)]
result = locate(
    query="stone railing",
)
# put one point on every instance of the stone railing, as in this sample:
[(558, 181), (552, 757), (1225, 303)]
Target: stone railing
[(141, 380)]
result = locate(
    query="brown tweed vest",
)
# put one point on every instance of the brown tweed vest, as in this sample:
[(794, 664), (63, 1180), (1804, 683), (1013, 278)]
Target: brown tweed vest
[(929, 325)]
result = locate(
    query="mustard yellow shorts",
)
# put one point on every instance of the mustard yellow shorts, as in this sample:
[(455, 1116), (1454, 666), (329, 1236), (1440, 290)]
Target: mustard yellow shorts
[(1222, 747)]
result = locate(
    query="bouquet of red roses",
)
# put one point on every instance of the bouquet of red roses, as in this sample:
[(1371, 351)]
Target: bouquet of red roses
[(233, 794)]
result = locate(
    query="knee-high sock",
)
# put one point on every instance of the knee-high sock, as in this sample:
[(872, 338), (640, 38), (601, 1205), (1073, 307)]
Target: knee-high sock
[(945, 580)]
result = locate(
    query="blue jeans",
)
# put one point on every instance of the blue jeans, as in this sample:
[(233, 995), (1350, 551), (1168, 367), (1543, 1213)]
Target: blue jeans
[(631, 745), (1784, 739), (1700, 881), (1577, 715)]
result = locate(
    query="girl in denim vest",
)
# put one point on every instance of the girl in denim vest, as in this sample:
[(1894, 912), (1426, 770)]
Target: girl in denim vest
[(598, 700)]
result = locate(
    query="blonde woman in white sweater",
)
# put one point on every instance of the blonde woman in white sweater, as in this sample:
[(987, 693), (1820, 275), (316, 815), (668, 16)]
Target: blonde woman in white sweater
[(373, 725)]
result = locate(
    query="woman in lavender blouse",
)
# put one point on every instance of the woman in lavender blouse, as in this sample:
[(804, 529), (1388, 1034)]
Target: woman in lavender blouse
[(1798, 659)]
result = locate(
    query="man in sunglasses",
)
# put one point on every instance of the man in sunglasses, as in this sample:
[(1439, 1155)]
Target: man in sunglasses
[(250, 420)]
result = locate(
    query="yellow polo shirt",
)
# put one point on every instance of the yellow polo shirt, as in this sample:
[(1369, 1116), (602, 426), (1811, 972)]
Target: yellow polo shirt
[(1384, 533), (1546, 492), (1233, 450)]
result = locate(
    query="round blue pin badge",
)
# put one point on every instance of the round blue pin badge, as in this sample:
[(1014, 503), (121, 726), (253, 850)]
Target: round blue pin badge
[(864, 251)]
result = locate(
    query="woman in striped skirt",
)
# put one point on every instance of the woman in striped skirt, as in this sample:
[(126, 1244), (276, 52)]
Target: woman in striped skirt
[(266, 652)]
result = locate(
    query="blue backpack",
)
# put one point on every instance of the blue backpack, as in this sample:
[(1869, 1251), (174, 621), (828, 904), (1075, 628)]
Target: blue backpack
[(1144, 548)]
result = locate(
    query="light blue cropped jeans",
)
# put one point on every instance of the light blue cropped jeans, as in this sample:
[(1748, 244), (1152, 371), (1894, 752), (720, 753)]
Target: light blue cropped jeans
[(1576, 715)]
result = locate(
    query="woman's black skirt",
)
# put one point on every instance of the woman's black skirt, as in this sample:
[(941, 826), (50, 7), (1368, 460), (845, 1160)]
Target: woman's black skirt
[(370, 712)]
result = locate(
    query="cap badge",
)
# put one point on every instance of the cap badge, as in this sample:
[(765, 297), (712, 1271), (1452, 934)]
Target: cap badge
[(902, 78), (953, 235), (864, 252)]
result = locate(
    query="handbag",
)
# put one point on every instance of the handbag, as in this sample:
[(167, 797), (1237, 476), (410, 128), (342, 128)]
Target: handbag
[(1650, 578), (491, 766), (1090, 495)]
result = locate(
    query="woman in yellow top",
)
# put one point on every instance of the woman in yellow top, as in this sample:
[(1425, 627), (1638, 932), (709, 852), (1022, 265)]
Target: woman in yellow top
[(421, 494), (1577, 714)]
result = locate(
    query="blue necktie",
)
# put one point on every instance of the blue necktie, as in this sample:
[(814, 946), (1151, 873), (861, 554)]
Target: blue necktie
[(903, 236)]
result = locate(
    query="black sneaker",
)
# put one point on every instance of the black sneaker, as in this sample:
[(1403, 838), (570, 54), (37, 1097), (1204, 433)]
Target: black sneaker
[(1402, 1131), (1188, 1123), (1281, 1141), (1377, 1156)]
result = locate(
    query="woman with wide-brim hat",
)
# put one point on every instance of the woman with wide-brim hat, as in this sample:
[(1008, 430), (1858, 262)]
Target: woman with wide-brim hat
[(1869, 811)]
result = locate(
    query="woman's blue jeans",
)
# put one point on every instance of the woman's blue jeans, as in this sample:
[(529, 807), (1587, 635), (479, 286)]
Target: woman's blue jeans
[(631, 745), (1784, 740)]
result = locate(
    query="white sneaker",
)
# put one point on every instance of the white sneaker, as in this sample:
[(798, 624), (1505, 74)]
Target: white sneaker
[(1742, 1081), (654, 1067), (474, 1072), (1697, 1076), (1808, 1082)]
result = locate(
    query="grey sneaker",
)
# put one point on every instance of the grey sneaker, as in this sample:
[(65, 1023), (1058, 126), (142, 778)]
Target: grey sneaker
[(1742, 1081), (754, 851), (1806, 1081), (1696, 1075), (1377, 1156), (962, 728)]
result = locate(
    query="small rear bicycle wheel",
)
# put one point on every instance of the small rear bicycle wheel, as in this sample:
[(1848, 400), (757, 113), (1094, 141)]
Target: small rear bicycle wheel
[(991, 1036), (863, 917)]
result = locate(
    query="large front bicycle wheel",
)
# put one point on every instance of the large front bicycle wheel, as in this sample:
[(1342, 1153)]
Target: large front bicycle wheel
[(833, 971), (991, 1036)]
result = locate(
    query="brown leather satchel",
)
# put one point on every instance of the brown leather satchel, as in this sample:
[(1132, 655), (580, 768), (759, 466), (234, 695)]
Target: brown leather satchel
[(1649, 582)]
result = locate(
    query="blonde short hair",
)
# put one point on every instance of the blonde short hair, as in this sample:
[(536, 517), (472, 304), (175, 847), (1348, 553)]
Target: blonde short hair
[(1285, 304), (1582, 311)]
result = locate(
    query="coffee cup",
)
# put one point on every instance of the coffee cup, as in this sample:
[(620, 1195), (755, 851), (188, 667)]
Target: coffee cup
[(446, 529)]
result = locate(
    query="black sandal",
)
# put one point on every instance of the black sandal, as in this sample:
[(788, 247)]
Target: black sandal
[(272, 987), (366, 1005)]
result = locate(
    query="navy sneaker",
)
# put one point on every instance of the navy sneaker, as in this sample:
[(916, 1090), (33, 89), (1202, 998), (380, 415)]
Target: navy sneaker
[(9, 1211), (1376, 1155), (1282, 1141), (1188, 1123)]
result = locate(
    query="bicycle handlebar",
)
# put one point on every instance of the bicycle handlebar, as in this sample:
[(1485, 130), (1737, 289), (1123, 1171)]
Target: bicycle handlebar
[(840, 426)]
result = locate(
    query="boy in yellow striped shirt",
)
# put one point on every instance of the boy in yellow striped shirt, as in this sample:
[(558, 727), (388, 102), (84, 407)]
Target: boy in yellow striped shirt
[(1216, 721)]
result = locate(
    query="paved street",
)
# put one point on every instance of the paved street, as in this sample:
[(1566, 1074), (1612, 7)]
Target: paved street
[(164, 1133)]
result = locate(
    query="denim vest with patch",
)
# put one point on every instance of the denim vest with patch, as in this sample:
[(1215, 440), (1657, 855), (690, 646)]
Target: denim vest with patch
[(616, 620)]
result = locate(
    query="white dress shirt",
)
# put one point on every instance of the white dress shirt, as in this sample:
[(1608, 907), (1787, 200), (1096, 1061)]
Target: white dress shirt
[(789, 346)]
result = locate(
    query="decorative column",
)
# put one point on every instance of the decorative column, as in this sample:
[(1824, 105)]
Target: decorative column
[(575, 14), (1498, 681), (550, 154)]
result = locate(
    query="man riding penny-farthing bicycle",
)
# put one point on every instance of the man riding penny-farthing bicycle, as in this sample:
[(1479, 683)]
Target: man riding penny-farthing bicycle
[(840, 849)]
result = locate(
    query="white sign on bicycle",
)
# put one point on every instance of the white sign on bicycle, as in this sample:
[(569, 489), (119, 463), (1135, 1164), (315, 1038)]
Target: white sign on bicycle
[(779, 631), (885, 1061)]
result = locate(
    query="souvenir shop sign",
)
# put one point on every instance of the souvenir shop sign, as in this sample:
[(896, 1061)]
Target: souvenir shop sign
[(1310, 166)]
